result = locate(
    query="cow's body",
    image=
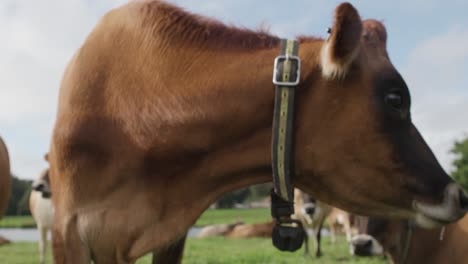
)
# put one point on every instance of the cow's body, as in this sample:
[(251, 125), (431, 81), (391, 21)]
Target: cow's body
[(340, 219), (5, 182), (160, 109), (237, 230), (40, 205), (217, 230), (428, 246), (252, 230), (313, 213)]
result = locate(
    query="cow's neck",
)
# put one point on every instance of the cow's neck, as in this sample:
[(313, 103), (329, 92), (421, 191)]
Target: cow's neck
[(226, 148), (427, 241), (234, 148)]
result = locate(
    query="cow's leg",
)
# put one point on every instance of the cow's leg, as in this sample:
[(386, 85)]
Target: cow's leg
[(317, 237), (306, 241), (347, 228), (42, 243), (332, 233), (58, 249), (68, 247), (170, 255)]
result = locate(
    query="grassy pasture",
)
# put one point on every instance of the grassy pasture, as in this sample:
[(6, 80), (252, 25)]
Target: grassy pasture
[(218, 250), (226, 216), (209, 217), (17, 222), (211, 250)]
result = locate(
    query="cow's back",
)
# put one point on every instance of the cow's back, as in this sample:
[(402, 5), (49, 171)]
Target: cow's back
[(5, 177)]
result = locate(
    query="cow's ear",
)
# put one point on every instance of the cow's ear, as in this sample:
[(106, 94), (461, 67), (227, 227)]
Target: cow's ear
[(342, 46), (46, 157)]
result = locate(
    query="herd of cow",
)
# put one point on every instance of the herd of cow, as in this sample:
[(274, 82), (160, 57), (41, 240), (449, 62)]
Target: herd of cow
[(399, 240), (162, 111)]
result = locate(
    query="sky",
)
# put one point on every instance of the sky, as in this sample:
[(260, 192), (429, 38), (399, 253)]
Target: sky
[(427, 42)]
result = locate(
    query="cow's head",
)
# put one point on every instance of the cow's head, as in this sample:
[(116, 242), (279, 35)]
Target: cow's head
[(357, 147), (383, 236), (42, 184), (308, 206)]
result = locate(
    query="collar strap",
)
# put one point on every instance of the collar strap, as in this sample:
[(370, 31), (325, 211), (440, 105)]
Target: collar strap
[(288, 234), (286, 77)]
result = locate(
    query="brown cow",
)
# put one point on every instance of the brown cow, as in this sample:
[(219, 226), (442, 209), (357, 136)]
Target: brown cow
[(161, 109), (428, 246), (5, 182)]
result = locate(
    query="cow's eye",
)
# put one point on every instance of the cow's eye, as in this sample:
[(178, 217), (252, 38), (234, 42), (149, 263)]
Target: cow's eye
[(394, 99)]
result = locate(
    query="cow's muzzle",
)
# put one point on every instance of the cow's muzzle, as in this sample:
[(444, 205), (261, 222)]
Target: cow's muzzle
[(365, 245), (453, 207)]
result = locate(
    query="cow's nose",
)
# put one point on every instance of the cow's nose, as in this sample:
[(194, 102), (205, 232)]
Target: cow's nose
[(458, 197), (363, 243), (463, 200), (453, 207)]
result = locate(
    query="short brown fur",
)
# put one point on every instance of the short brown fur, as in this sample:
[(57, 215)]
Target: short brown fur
[(161, 112)]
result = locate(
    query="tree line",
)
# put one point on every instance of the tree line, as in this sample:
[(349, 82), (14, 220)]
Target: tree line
[(19, 199)]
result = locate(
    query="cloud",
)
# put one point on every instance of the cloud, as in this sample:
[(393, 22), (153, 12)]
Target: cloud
[(38, 38), (436, 74)]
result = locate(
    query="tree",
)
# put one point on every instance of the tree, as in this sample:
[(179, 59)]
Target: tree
[(247, 194), (23, 204), (19, 188), (460, 174), (230, 199)]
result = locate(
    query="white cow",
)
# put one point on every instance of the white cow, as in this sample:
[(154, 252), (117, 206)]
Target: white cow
[(41, 208), (312, 213)]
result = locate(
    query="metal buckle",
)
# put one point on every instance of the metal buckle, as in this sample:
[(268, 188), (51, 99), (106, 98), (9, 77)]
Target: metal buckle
[(275, 70)]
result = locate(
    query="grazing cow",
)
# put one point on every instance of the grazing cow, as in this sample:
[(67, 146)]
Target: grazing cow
[(312, 213), (162, 109), (5, 182), (403, 243), (42, 210)]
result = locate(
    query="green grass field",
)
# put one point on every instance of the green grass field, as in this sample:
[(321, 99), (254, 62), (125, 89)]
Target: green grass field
[(226, 216), (209, 217), (212, 250), (17, 222), (218, 250)]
